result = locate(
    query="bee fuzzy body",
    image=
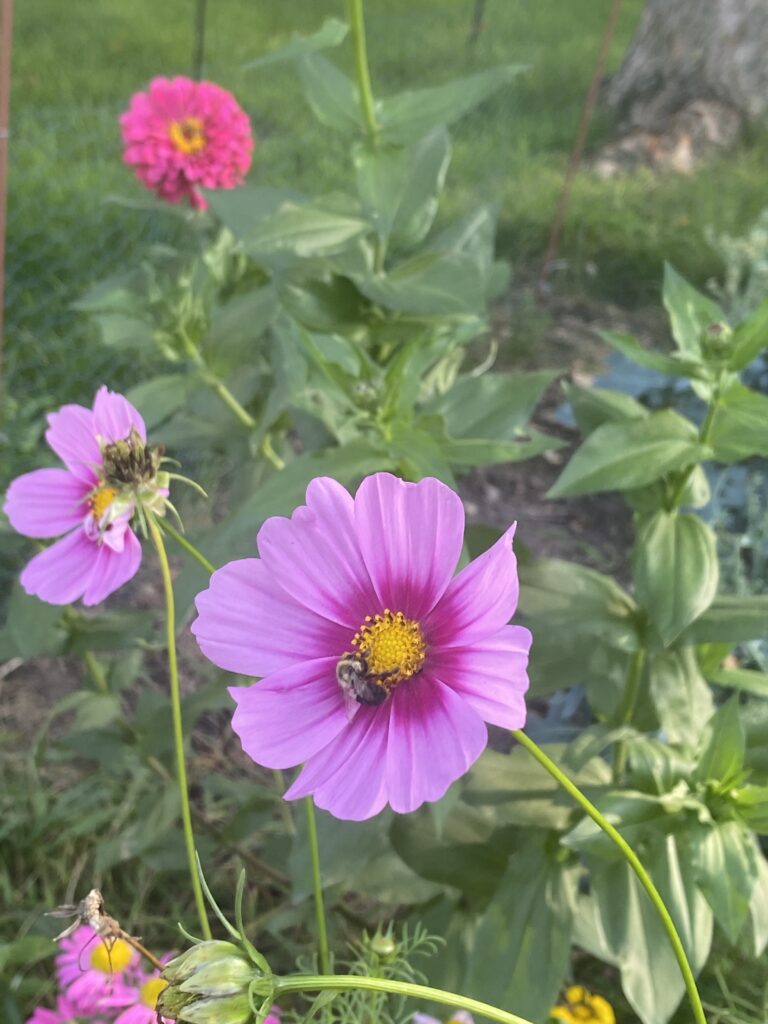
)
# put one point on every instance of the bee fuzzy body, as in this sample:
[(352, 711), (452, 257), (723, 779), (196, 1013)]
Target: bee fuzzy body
[(361, 685)]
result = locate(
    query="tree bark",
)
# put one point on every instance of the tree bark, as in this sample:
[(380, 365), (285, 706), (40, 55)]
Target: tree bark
[(686, 51)]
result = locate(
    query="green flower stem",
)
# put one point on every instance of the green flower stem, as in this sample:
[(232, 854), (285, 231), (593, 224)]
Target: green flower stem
[(704, 435), (178, 732), (229, 399), (96, 671), (182, 541), (322, 931), (357, 24), (627, 707), (347, 982), (632, 859)]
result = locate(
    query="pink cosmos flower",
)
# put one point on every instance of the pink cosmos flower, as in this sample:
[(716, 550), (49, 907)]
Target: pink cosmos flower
[(65, 1013), (182, 134), (143, 1008), (93, 972), (380, 666), (99, 551)]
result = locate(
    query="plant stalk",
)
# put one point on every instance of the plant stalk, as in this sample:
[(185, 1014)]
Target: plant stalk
[(322, 931), (357, 24), (627, 708), (182, 541), (634, 862), (178, 729), (704, 435)]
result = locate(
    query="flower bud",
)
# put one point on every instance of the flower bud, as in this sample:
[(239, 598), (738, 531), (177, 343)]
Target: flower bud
[(208, 984)]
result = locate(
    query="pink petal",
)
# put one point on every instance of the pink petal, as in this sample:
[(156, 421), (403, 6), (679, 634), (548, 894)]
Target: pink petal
[(490, 675), (46, 502), (290, 715), (479, 601), (434, 736), (113, 416), (315, 558), (112, 569), (411, 537), (72, 435), (247, 624), (347, 778), (60, 574)]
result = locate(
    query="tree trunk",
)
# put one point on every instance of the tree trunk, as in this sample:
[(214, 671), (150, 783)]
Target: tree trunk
[(694, 50)]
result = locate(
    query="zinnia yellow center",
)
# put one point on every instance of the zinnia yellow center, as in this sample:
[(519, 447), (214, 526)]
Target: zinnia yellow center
[(100, 501), (187, 135), (150, 990), (584, 1008), (111, 957), (392, 646)]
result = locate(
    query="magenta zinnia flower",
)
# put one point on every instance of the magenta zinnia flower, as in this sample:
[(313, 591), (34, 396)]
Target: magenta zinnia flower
[(99, 551), (93, 972), (363, 590), (182, 134), (143, 1009)]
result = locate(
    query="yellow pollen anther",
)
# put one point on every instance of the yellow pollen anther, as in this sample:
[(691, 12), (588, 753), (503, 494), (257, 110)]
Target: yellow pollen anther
[(100, 501), (392, 646), (111, 956), (150, 990), (187, 135)]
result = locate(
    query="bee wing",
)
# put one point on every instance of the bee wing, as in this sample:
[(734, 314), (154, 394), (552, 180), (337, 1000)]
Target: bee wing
[(70, 930), (65, 910), (351, 706)]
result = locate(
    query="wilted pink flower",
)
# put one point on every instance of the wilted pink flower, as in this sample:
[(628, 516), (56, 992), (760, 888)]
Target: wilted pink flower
[(100, 552), (182, 134), (93, 972), (381, 667)]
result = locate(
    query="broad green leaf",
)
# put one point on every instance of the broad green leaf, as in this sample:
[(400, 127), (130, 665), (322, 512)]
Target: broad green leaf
[(428, 161), (740, 426), (690, 312), (750, 338), (409, 115), (635, 815), (381, 179), (721, 758), (620, 456), (242, 209), (522, 946), (331, 33), (324, 305), (676, 571), (331, 95), (107, 631), (493, 405), (758, 909), (731, 619), (671, 866), (474, 451), (32, 627), (594, 406), (680, 695), (674, 365), (653, 497), (752, 804), (347, 845), (236, 326), (746, 680), (429, 285), (303, 231), (160, 397), (727, 869)]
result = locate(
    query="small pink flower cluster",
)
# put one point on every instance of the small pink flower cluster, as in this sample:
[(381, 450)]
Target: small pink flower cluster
[(101, 982)]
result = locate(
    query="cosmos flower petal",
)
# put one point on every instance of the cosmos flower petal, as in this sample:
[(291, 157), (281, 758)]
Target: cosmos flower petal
[(348, 777), (72, 435), (60, 574), (111, 568), (479, 600), (411, 537), (434, 737), (46, 502), (114, 416), (315, 556), (317, 713), (490, 675), (246, 623)]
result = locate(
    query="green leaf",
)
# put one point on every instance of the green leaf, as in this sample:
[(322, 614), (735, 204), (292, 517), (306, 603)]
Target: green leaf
[(674, 365), (331, 305), (303, 231), (731, 620), (676, 571), (409, 115), (331, 33), (236, 326), (740, 426), (464, 453), (242, 209), (522, 946), (758, 908), (428, 161), (690, 312), (620, 456), (430, 284), (723, 749), (746, 680), (160, 397), (31, 627), (381, 178), (749, 338), (592, 407), (25, 951), (727, 870), (751, 803), (108, 631), (636, 815), (331, 95), (493, 405), (680, 695)]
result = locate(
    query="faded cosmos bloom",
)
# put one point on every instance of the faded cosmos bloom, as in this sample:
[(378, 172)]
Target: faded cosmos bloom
[(181, 134), (380, 666), (91, 501)]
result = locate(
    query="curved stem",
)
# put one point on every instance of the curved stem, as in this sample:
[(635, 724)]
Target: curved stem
[(704, 435), (322, 931), (229, 399), (96, 671), (182, 541), (178, 730), (632, 859), (357, 24), (627, 707), (347, 982)]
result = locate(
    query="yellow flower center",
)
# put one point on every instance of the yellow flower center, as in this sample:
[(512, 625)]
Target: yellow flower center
[(150, 990), (100, 501), (187, 135), (111, 957), (584, 1008), (392, 646)]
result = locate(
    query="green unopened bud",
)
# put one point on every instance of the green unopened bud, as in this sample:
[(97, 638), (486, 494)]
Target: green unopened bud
[(226, 1010), (716, 341), (208, 984), (384, 946)]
